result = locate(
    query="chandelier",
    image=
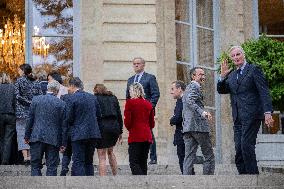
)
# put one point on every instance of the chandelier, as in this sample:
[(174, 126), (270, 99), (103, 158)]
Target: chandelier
[(40, 46), (12, 46)]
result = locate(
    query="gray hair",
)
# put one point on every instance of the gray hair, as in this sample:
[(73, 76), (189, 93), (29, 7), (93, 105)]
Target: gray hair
[(237, 47), (5, 78), (53, 86), (136, 90), (140, 58)]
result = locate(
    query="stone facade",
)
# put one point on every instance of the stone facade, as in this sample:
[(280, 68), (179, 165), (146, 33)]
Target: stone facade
[(113, 32)]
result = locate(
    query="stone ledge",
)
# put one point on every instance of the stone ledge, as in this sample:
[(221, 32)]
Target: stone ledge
[(154, 181)]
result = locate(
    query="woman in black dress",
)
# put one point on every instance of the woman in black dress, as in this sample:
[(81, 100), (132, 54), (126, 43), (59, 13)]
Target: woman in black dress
[(112, 128)]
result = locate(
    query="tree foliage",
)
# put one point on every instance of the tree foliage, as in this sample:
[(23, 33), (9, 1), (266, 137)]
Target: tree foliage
[(269, 55)]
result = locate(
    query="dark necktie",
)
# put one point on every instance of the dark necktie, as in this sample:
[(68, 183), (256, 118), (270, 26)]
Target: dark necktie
[(136, 79), (239, 74)]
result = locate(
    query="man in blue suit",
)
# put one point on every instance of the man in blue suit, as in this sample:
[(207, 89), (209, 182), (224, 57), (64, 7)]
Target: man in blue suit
[(250, 101), (151, 89), (46, 130), (84, 122)]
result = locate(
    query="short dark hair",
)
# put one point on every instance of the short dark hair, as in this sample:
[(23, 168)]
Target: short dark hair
[(56, 76), (193, 71), (76, 82), (26, 68), (179, 84)]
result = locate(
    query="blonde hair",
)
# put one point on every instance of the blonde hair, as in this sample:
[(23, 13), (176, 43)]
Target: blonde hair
[(136, 90), (4, 78)]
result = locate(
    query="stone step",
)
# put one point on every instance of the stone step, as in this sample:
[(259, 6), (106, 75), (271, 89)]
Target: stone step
[(146, 182), (221, 169)]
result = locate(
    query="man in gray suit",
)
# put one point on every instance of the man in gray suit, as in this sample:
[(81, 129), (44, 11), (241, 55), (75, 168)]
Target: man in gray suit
[(195, 125), (46, 130)]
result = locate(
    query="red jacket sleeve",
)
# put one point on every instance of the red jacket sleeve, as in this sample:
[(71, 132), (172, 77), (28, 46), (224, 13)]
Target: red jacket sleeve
[(152, 119), (127, 115)]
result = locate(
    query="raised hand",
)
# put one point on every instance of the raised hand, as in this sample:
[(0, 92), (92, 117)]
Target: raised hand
[(225, 70)]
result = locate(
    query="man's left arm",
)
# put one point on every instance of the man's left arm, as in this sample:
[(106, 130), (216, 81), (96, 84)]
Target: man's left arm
[(177, 117), (263, 91), (154, 90)]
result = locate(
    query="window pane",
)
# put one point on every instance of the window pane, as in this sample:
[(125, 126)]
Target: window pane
[(182, 10), (59, 53), (271, 17), (204, 13), (183, 73), (52, 17), (205, 47), (182, 42), (12, 36), (209, 88)]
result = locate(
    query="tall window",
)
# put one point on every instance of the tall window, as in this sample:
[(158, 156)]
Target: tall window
[(271, 18), (51, 34), (196, 46)]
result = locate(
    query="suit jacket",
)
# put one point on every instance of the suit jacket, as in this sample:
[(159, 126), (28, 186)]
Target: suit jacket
[(67, 99), (47, 121), (192, 110), (84, 116), (150, 85), (111, 114), (176, 120), (250, 97), (139, 120), (7, 99), (25, 89)]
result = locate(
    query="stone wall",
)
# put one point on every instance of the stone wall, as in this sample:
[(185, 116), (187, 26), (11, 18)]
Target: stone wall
[(113, 32)]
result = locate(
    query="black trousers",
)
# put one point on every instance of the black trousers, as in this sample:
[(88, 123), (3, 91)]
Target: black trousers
[(7, 131), (245, 133), (138, 154), (180, 154)]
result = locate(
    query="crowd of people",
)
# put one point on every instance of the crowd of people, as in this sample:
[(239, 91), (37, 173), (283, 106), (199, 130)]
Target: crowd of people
[(49, 118)]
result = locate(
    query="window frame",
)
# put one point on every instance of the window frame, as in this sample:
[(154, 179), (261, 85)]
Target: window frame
[(193, 61), (75, 35)]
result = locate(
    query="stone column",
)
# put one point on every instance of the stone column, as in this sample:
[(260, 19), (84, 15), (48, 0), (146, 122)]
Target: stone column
[(91, 56)]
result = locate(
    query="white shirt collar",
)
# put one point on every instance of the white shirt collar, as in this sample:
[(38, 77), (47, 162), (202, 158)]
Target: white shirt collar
[(196, 83)]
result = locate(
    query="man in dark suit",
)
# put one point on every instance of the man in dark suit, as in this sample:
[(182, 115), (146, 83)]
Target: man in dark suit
[(66, 159), (84, 120), (7, 118), (250, 101), (46, 130), (195, 125), (151, 90), (177, 90)]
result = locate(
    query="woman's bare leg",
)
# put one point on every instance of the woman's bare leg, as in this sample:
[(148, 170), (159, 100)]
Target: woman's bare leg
[(112, 160), (102, 161)]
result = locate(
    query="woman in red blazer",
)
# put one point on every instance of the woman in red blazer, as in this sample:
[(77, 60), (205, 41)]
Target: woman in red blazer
[(138, 120)]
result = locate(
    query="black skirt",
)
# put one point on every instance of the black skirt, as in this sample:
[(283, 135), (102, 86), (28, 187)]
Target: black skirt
[(108, 140)]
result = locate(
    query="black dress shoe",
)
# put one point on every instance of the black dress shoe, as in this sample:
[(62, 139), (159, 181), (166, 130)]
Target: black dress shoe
[(152, 162)]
